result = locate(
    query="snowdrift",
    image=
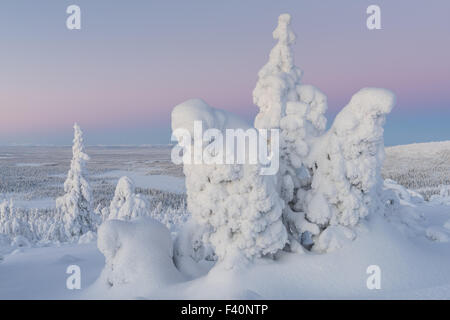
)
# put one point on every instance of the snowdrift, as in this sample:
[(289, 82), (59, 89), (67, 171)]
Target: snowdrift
[(138, 258)]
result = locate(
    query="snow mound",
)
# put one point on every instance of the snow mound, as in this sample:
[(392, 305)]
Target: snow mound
[(20, 242), (138, 257), (333, 238), (191, 256), (405, 195)]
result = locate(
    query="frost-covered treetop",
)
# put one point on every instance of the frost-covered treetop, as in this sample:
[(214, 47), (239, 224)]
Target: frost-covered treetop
[(281, 58), (278, 78), (79, 156), (78, 146), (282, 53)]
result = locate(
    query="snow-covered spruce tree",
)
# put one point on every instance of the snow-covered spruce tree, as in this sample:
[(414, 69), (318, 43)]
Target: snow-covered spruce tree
[(126, 204), (75, 216), (298, 112), (347, 163), (239, 209)]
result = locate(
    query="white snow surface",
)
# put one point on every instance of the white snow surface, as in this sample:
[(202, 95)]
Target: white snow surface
[(412, 266)]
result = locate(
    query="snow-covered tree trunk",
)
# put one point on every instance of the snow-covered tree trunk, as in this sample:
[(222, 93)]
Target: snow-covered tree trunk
[(75, 216)]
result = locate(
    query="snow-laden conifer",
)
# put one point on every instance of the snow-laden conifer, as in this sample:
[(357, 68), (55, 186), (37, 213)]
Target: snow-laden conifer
[(75, 216), (297, 110), (239, 208)]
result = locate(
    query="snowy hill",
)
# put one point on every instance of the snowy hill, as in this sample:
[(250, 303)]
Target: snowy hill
[(422, 167)]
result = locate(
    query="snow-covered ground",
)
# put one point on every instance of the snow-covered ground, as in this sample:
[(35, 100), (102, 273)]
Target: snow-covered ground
[(412, 267), (40, 273), (411, 247)]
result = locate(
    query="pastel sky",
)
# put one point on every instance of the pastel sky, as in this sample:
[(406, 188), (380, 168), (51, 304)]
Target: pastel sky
[(133, 61)]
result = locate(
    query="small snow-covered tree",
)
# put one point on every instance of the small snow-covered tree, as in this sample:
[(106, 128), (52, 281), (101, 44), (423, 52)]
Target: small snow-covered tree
[(126, 204), (298, 112), (239, 209), (75, 216), (14, 221), (347, 165), (5, 218)]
